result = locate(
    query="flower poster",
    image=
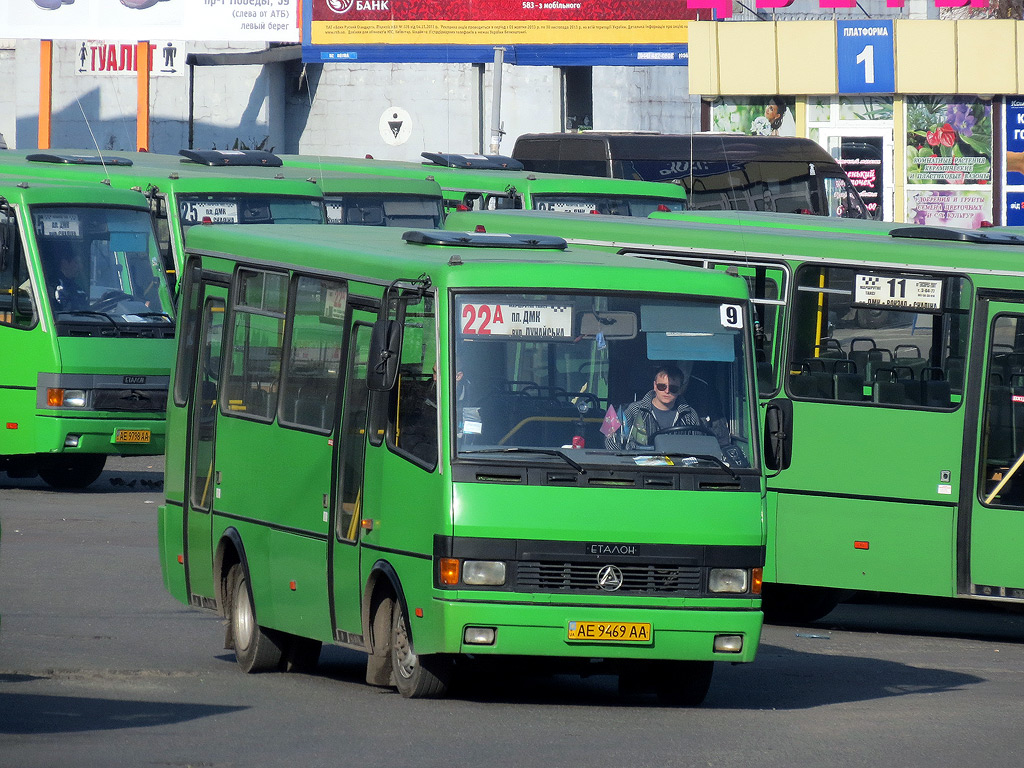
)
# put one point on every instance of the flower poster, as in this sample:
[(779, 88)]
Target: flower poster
[(949, 140), (959, 208)]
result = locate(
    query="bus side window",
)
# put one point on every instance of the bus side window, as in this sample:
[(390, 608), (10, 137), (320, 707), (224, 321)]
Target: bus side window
[(257, 325), (413, 428), (313, 359), (17, 305)]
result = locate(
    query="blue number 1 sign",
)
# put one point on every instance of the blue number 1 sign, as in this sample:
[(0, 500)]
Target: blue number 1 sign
[(864, 56)]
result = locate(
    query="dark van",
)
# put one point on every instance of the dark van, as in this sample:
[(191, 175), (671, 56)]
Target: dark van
[(720, 171)]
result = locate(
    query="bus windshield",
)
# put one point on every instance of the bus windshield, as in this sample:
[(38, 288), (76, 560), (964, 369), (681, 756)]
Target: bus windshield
[(615, 205), (384, 210), (102, 268), (612, 379), (237, 208)]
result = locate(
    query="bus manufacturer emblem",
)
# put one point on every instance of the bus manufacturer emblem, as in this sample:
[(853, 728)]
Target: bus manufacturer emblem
[(134, 380), (609, 578)]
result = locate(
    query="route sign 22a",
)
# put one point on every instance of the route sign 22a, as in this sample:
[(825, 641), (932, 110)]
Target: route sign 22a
[(864, 56)]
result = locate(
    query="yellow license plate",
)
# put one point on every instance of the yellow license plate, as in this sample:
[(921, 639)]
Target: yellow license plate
[(132, 436), (610, 631)]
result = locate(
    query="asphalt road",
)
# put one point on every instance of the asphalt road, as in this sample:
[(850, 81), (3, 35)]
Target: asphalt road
[(99, 666)]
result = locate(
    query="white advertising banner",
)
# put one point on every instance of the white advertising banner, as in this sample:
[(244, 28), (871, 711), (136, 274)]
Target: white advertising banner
[(201, 20), (118, 57)]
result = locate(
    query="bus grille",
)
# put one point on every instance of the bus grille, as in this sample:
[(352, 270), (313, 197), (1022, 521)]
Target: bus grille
[(129, 400), (534, 576)]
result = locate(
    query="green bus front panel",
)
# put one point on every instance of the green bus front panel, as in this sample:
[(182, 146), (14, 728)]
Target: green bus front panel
[(869, 499), (98, 434), (611, 515), (542, 630)]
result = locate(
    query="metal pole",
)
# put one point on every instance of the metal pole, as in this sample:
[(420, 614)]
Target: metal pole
[(496, 132)]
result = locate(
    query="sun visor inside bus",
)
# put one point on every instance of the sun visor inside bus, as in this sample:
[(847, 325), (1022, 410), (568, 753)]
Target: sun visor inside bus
[(129, 242), (612, 325), (686, 333)]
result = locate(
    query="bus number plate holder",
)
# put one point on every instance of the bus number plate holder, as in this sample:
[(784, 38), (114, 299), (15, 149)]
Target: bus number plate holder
[(609, 631), (132, 436)]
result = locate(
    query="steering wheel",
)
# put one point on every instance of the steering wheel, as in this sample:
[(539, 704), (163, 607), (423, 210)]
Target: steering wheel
[(110, 299), (593, 403), (527, 388)]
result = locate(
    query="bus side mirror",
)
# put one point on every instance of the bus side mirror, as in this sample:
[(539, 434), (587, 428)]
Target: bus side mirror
[(778, 434), (385, 353)]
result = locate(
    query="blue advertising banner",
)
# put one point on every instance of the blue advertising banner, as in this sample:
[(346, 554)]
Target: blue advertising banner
[(865, 56), (1014, 142), (1015, 209)]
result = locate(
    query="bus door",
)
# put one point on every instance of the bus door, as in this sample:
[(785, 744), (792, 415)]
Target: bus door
[(347, 506), (874, 374), (202, 429), (991, 535)]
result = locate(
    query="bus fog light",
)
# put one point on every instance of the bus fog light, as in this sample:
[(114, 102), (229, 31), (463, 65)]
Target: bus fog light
[(71, 441), (74, 398), (479, 635), (729, 643), (483, 572), (732, 580)]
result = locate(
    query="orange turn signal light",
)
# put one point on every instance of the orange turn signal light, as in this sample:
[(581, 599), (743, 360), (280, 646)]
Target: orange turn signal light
[(55, 397), (756, 579), (449, 571)]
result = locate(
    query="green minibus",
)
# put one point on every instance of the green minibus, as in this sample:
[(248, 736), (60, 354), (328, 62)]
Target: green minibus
[(213, 187), (489, 182), (891, 376), (87, 322), (414, 445)]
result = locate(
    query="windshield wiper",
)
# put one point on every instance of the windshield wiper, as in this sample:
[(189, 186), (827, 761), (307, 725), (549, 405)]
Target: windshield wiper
[(545, 451), (88, 313), (701, 456)]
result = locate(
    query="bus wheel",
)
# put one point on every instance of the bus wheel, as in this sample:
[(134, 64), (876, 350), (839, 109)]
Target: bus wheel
[(256, 649), (416, 677), (65, 470), (684, 683)]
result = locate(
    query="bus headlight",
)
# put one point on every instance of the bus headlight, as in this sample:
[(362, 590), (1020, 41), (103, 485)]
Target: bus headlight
[(483, 573), (732, 580), (65, 398)]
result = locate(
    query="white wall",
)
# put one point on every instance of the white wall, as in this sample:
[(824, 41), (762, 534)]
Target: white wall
[(334, 108)]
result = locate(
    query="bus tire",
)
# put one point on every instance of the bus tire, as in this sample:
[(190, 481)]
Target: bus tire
[(70, 470), (256, 649), (684, 683), (416, 677)]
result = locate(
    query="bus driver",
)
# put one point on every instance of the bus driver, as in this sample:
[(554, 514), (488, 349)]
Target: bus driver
[(660, 409)]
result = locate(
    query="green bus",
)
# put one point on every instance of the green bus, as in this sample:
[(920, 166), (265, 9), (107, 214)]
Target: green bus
[(373, 200), (891, 376), (199, 187), (87, 323), (491, 182), (409, 444)]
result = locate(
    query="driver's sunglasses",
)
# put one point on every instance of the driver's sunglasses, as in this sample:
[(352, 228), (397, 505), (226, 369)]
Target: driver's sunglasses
[(672, 388)]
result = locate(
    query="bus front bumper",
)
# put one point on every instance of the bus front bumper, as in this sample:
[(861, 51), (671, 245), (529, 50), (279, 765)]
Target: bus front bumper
[(544, 630), (106, 435)]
